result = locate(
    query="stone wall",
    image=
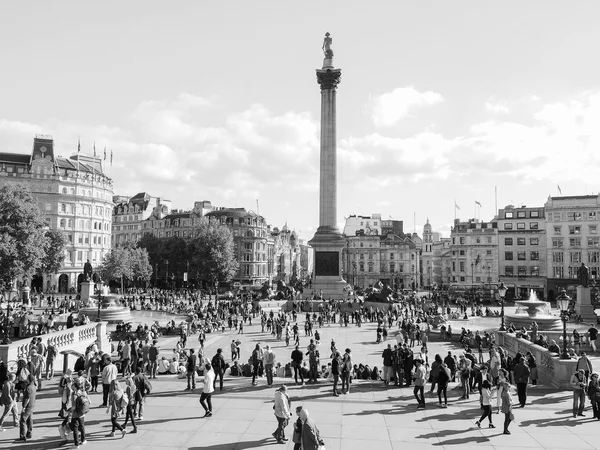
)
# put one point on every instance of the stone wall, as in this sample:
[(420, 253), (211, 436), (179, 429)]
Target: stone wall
[(76, 339), (552, 371)]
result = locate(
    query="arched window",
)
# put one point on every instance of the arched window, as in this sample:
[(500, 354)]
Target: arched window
[(249, 233), (64, 190), (63, 222)]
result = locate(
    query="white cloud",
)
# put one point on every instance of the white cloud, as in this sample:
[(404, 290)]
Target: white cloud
[(391, 107), (495, 107)]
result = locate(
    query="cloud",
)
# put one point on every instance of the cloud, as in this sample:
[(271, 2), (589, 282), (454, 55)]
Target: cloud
[(496, 107), (391, 107)]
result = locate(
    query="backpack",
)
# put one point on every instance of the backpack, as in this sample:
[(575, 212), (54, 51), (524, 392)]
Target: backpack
[(216, 362), (147, 386), (124, 401), (23, 374), (82, 404)]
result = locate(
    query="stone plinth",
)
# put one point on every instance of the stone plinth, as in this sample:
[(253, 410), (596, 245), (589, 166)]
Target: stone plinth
[(583, 306), (87, 289)]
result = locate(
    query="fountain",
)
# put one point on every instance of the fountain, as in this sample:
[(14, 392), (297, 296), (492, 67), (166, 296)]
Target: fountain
[(109, 311), (534, 310)]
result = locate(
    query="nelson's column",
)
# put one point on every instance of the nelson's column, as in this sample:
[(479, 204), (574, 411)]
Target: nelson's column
[(328, 241)]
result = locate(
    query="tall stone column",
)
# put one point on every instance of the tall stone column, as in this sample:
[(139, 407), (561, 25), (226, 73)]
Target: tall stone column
[(328, 242)]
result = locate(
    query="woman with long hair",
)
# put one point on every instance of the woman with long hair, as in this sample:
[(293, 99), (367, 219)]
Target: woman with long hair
[(116, 407)]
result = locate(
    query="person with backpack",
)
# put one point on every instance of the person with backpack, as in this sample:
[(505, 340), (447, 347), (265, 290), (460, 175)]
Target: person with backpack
[(80, 407), (143, 389), (131, 391), (218, 365), (117, 403)]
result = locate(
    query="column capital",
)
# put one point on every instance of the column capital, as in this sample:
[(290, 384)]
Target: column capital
[(329, 78)]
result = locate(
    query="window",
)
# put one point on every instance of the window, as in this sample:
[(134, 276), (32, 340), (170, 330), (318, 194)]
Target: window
[(70, 238), (533, 225), (520, 214), (534, 271), (522, 271), (79, 238), (577, 216), (453, 266), (401, 268), (593, 257), (462, 266), (488, 252), (371, 266), (573, 229), (521, 256), (489, 240), (361, 244), (558, 257), (462, 253), (592, 215), (508, 256), (534, 241), (362, 256), (508, 215), (521, 241), (534, 256), (361, 267), (63, 223), (478, 279), (509, 271), (462, 279), (508, 226), (557, 242), (575, 242), (557, 229), (375, 223), (575, 257), (508, 241), (559, 272), (520, 225), (462, 240), (593, 242), (534, 214), (391, 256), (593, 229), (478, 241), (248, 246), (392, 267)]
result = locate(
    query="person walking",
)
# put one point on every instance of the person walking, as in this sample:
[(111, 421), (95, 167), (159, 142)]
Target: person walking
[(420, 379), (507, 403), (131, 391), (257, 355), (190, 366), (218, 365), (282, 413), (297, 436), (486, 403), (593, 335), (8, 400), (27, 408), (268, 363), (387, 356), (116, 405), (465, 374), (109, 374), (444, 377), (80, 406), (310, 437), (336, 363), (435, 371), (578, 384), (346, 371), (521, 373), (593, 394), (207, 390), (143, 389), (584, 363), (297, 357)]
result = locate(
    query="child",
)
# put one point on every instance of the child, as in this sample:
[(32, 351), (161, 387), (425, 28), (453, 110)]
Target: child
[(486, 403)]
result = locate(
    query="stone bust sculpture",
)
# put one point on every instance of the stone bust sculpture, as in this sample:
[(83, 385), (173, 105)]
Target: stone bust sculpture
[(583, 275)]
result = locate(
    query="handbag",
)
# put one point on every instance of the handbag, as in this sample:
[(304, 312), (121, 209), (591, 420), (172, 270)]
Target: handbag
[(511, 416), (296, 437)]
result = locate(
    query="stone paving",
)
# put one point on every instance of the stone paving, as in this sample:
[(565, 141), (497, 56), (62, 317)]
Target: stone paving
[(372, 413)]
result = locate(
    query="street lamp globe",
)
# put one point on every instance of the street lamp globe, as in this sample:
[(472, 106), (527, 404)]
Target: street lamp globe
[(502, 290), (562, 303)]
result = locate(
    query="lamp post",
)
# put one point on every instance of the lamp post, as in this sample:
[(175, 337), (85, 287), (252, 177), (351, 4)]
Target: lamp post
[(7, 297), (99, 301), (429, 280), (562, 303), (167, 275), (502, 292)]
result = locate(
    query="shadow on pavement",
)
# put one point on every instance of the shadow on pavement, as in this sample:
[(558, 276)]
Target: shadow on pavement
[(237, 445)]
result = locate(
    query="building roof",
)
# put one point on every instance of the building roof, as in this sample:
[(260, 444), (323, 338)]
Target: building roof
[(232, 212), (14, 158)]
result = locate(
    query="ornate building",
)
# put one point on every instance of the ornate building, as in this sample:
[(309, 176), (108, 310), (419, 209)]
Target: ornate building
[(75, 196), (130, 213)]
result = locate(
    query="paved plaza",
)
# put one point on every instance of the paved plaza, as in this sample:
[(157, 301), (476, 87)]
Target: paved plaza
[(372, 414)]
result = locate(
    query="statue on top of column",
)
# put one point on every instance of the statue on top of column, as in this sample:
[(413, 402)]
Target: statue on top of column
[(327, 46), (583, 275)]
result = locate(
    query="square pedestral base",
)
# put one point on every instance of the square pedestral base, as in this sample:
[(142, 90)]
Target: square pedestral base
[(328, 267), (584, 306), (87, 289)]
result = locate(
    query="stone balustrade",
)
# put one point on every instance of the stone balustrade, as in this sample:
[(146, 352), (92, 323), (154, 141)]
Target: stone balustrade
[(76, 339), (552, 371)]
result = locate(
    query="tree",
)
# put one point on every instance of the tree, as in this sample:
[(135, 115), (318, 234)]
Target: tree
[(212, 253), (142, 270), (55, 242), (22, 235), (127, 262)]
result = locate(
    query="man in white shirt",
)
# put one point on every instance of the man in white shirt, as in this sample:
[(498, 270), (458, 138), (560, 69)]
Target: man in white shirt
[(109, 373), (207, 390), (268, 362)]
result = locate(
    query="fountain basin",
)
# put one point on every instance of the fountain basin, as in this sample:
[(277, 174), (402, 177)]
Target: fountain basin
[(534, 310), (109, 311)]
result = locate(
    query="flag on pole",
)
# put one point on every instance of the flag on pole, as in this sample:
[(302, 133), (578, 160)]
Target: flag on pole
[(94, 149), (78, 152), (477, 203), (105, 153), (111, 156), (559, 191), (456, 206)]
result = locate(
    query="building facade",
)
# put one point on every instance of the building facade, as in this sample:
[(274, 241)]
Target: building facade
[(75, 197), (369, 225), (129, 213), (522, 251), (572, 233)]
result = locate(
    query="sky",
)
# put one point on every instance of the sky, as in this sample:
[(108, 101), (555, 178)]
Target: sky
[(440, 102)]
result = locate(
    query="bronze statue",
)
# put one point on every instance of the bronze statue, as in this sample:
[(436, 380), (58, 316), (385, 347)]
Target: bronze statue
[(327, 46), (87, 271), (583, 275)]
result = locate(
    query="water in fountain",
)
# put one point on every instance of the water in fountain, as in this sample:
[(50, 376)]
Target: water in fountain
[(534, 310)]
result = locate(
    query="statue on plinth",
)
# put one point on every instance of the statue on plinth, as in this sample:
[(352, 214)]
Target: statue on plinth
[(87, 271), (327, 46), (583, 275)]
